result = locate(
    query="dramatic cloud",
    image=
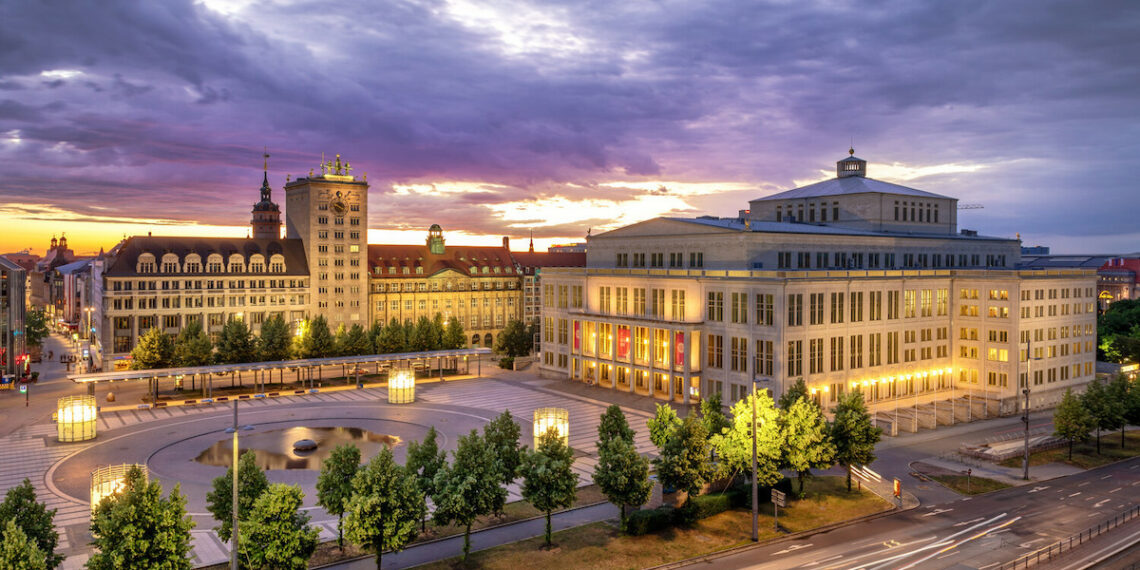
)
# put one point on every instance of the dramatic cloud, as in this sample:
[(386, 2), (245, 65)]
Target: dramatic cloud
[(503, 118)]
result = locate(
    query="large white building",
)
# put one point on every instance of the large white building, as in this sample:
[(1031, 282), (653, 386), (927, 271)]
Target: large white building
[(851, 284)]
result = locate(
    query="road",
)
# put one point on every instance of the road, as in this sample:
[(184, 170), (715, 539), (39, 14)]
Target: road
[(978, 532)]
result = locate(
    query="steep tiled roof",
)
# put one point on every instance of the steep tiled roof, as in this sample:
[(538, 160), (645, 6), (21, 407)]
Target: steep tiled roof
[(458, 258), (127, 253)]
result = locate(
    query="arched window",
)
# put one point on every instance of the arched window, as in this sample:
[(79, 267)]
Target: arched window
[(214, 263), (236, 263), (146, 263), (169, 263), (193, 263), (474, 340), (487, 340), (277, 263), (257, 263)]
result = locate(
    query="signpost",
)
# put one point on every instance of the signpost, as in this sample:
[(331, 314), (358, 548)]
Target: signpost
[(778, 500), (24, 391)]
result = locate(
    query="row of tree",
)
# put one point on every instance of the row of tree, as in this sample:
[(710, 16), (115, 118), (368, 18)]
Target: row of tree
[(27, 531), (1118, 332), (237, 343), (795, 436), (1106, 407)]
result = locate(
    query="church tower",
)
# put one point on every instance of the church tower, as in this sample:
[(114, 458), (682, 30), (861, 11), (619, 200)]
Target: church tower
[(266, 220)]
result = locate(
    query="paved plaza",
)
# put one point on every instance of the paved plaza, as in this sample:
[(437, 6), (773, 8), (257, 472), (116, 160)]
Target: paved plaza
[(168, 439)]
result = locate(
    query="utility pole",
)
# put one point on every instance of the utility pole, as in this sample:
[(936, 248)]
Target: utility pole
[(1025, 417), (234, 505), (755, 498)]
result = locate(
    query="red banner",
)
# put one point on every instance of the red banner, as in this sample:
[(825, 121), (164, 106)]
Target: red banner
[(623, 343), (577, 336), (679, 349)]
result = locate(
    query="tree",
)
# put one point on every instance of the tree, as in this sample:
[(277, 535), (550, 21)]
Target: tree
[(1106, 411), (252, 482), (392, 338), (35, 327), (192, 347), (138, 528), (19, 552), (315, 341), (1071, 421), (236, 344), (334, 485), (662, 424), (502, 434), (437, 330), (422, 335), (354, 342), (797, 391), (470, 487), (548, 481), (1118, 390), (853, 433), (614, 426), (806, 440), (1132, 405), (277, 534), (340, 338), (374, 334), (154, 350), (385, 507), (684, 460), (712, 417), (273, 344), (622, 474), (453, 336), (33, 518), (734, 446), (424, 461), (514, 340)]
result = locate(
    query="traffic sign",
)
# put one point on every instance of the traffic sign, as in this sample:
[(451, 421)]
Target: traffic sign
[(23, 388)]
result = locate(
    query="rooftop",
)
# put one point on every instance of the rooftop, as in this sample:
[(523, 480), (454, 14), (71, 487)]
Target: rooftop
[(848, 186)]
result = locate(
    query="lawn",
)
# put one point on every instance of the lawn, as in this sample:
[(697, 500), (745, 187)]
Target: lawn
[(600, 545), (972, 485), (1084, 454)]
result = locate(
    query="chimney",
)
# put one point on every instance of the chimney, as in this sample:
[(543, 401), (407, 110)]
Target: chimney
[(506, 243)]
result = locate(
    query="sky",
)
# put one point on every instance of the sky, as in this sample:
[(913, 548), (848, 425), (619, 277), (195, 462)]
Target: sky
[(561, 118)]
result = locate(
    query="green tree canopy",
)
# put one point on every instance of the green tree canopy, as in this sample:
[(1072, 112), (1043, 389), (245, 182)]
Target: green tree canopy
[(275, 340), (712, 416), (853, 433), (470, 487), (1071, 421), (139, 528), (252, 482), (386, 506), (663, 422), (192, 347), (316, 341), (1119, 390), (422, 335), (614, 426), (17, 551), (1104, 407), (502, 434), (334, 485), (514, 340), (236, 344), (425, 459), (1118, 329), (798, 390), (154, 350), (34, 519), (354, 343), (684, 460), (548, 481), (35, 327), (622, 474), (437, 331), (453, 336), (392, 338), (734, 447), (374, 333), (277, 534), (806, 439)]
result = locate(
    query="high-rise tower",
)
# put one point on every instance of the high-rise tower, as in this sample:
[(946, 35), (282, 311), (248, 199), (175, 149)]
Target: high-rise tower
[(329, 213), (266, 220)]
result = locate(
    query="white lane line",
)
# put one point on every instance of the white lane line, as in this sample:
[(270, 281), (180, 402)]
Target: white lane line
[(793, 548), (937, 512), (964, 523), (1083, 484), (1026, 544), (1106, 477), (1041, 488), (965, 540), (1091, 515), (823, 561), (882, 562), (1074, 494), (1116, 489), (1099, 503), (889, 549)]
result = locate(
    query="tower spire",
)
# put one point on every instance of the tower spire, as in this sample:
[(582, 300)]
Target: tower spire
[(531, 241)]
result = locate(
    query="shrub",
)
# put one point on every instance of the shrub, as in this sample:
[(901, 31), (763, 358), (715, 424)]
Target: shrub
[(650, 520), (709, 505), (507, 363)]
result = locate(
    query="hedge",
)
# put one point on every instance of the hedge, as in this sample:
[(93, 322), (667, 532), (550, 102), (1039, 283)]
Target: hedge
[(651, 520)]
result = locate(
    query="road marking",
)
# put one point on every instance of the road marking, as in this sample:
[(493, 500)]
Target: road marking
[(829, 559), (1035, 489), (1083, 484), (793, 548), (964, 523), (1106, 477), (965, 540), (937, 512), (1074, 494), (947, 555), (989, 565), (1116, 489), (1026, 544)]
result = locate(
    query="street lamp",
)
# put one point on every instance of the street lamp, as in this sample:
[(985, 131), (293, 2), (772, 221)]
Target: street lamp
[(755, 489), (234, 506)]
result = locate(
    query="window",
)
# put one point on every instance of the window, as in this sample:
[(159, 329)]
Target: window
[(857, 306), (795, 358), (875, 307), (815, 358), (764, 309), (677, 305), (658, 303), (836, 353), (715, 310), (837, 308), (795, 309), (763, 359), (739, 361), (856, 351), (908, 303), (892, 305), (604, 299), (740, 308), (815, 313), (639, 301)]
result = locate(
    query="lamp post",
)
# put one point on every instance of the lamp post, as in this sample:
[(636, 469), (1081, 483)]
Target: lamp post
[(755, 490), (234, 505), (1025, 416)]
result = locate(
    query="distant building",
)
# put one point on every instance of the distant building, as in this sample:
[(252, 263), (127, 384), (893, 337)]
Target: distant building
[(579, 247), (530, 265), (1035, 250), (12, 315), (1118, 275)]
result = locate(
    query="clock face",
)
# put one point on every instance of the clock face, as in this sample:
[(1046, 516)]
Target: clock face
[(338, 207)]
